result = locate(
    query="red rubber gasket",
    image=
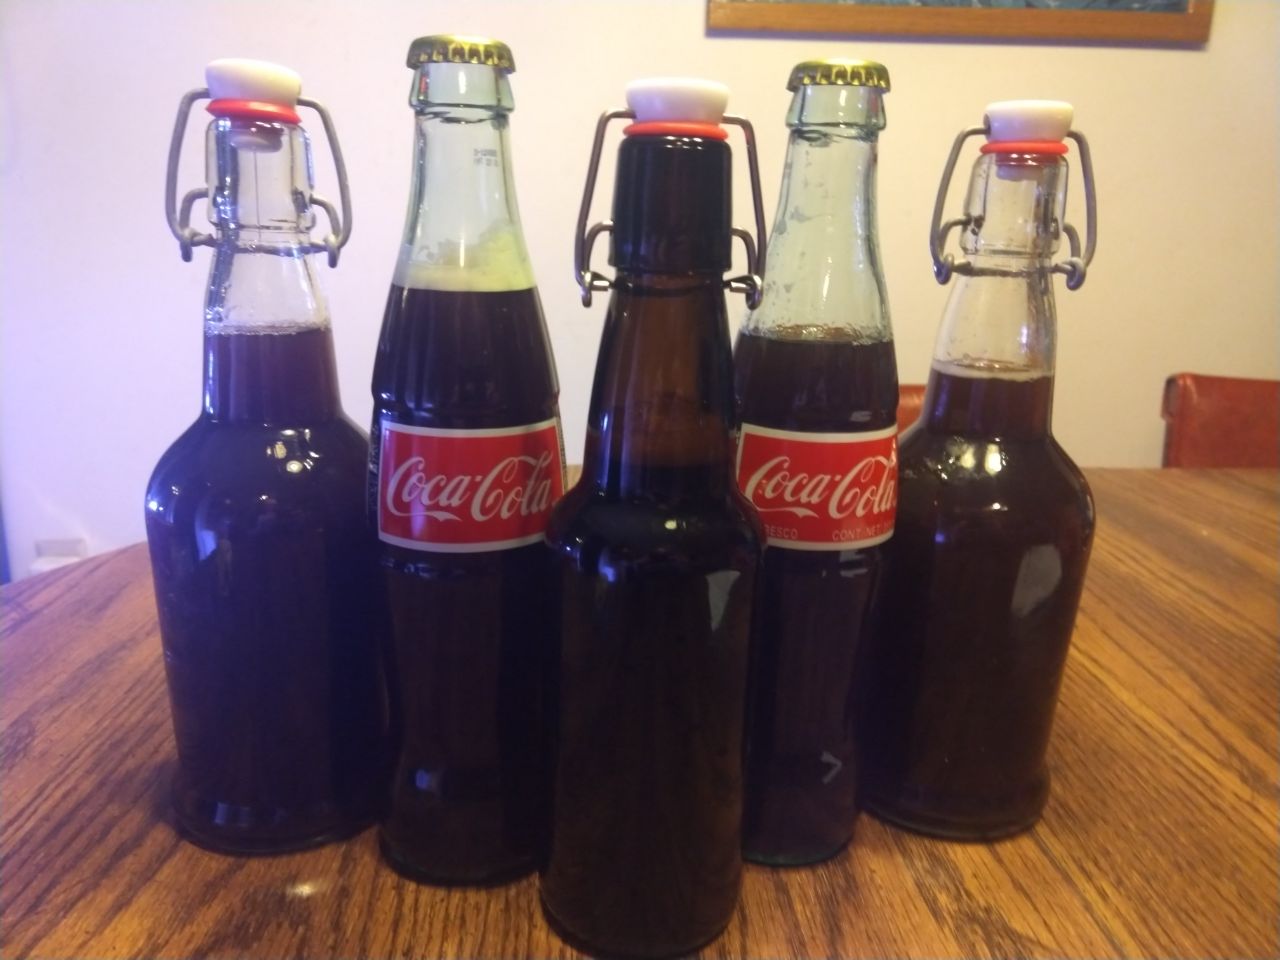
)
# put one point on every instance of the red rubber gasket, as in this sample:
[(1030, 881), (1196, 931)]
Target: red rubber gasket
[(676, 128), (254, 110), (1055, 147)]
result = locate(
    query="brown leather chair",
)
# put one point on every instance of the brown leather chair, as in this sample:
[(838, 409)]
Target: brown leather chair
[(910, 403), (1221, 421)]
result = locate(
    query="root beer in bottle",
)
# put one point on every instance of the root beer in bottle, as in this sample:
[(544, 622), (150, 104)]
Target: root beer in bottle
[(655, 556), (465, 466), (985, 569), (817, 392), (266, 577)]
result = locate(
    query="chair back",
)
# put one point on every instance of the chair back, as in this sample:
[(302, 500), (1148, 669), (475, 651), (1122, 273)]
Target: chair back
[(1221, 421), (910, 403)]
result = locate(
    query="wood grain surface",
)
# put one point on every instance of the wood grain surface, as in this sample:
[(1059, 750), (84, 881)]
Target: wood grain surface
[(1160, 838)]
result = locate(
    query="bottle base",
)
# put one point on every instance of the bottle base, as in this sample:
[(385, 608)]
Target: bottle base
[(797, 821), (793, 858), (944, 828), (247, 845), (602, 951), (498, 876)]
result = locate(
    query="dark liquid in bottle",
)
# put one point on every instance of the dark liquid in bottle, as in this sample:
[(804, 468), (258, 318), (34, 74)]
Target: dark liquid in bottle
[(468, 629), (982, 580), (811, 611), (269, 602), (648, 776)]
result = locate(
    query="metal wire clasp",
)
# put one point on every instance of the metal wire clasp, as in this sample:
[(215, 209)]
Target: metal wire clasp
[(179, 216), (589, 280), (1075, 266)]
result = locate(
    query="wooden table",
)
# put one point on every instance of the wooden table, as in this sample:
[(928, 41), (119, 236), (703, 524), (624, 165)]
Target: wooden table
[(1160, 838)]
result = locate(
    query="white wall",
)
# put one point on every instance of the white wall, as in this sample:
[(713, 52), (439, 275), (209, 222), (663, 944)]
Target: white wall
[(100, 321)]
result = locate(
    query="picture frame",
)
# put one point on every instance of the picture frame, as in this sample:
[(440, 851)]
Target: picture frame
[(1169, 22)]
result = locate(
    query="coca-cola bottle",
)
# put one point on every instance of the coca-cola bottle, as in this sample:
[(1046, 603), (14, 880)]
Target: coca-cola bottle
[(465, 464), (817, 391), (984, 572), (266, 577), (655, 552)]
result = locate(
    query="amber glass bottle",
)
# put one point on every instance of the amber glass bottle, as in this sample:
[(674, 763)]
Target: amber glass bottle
[(656, 553)]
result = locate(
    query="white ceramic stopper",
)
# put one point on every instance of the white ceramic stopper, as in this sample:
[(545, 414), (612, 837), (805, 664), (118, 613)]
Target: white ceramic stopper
[(240, 79), (677, 99), (1041, 120)]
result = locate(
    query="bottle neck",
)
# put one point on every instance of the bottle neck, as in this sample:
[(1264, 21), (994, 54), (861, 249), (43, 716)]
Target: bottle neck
[(824, 277), (993, 363), (275, 379), (661, 416), (462, 229), (268, 347)]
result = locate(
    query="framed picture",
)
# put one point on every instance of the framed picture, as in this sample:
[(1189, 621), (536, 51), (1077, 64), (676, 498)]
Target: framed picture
[(1106, 21)]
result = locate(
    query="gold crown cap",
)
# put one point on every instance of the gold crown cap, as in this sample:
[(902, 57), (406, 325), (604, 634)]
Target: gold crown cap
[(838, 71), (456, 48)]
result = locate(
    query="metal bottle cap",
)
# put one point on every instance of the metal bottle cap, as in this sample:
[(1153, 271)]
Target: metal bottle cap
[(456, 48), (838, 71)]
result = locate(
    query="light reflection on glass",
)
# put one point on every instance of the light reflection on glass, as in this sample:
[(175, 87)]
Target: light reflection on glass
[(993, 461)]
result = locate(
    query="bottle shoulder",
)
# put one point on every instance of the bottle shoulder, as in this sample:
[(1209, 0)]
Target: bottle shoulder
[(716, 531), (999, 479), (238, 466)]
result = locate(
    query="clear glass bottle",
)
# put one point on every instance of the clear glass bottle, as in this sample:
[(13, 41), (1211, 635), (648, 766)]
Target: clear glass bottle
[(655, 556), (985, 569), (265, 573), (817, 394), (466, 464)]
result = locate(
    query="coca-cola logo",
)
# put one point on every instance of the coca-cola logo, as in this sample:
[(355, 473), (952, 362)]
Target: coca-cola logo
[(821, 491), (869, 487), (460, 490), (517, 484)]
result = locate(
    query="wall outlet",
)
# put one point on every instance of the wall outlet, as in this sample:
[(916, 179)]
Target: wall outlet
[(51, 554)]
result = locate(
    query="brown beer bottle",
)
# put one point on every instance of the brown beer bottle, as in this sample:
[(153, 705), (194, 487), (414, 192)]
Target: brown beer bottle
[(985, 569), (656, 554)]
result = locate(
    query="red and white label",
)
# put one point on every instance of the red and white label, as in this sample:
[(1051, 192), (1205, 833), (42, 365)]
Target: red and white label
[(821, 491), (464, 491)]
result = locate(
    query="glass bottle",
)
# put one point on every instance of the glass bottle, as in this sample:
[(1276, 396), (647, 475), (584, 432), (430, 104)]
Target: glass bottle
[(265, 573), (817, 393), (655, 552), (466, 463), (985, 569)]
